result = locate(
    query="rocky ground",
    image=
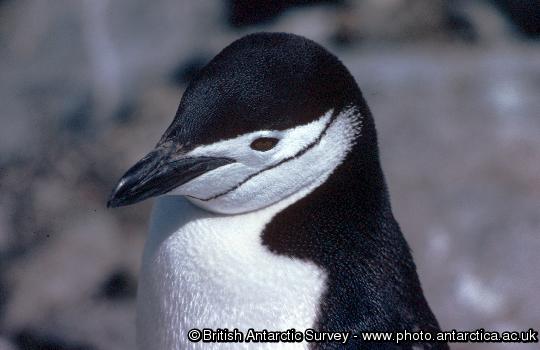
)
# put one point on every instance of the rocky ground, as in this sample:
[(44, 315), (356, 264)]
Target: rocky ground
[(89, 86)]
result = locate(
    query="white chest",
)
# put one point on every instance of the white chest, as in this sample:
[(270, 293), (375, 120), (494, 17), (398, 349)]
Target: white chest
[(202, 270)]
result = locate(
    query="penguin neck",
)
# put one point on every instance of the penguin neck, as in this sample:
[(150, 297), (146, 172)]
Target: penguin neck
[(346, 227)]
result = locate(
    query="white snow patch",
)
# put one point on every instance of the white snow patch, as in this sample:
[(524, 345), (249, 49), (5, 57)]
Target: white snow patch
[(472, 292)]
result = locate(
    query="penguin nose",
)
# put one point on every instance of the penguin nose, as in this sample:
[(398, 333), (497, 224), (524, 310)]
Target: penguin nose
[(159, 172)]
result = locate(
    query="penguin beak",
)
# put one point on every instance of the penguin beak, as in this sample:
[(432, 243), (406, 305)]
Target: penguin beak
[(158, 173)]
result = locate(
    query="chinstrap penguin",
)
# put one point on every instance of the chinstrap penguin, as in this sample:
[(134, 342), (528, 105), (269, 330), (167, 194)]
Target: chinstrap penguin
[(273, 211)]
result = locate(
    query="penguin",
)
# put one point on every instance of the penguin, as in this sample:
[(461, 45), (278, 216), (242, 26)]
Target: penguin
[(272, 211)]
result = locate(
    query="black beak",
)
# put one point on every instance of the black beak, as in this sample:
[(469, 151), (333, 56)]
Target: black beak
[(158, 173)]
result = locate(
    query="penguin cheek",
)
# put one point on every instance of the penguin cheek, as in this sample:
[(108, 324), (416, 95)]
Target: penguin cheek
[(250, 196), (214, 182), (256, 160)]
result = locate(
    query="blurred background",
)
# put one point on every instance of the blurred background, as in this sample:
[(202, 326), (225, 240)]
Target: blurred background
[(88, 86)]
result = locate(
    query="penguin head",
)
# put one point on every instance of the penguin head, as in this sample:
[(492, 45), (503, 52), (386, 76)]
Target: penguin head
[(270, 115)]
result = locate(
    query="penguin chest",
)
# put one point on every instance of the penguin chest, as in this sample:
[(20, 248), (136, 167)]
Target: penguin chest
[(212, 271)]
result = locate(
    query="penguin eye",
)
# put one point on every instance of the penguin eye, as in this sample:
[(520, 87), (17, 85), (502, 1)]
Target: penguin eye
[(264, 143)]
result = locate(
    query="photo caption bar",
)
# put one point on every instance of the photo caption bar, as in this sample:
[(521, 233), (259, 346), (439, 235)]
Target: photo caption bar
[(225, 335)]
